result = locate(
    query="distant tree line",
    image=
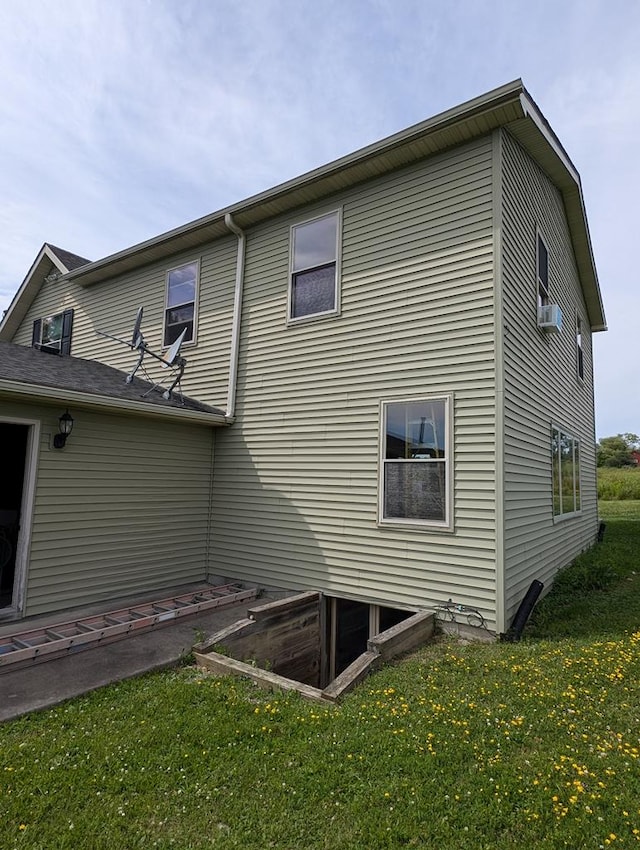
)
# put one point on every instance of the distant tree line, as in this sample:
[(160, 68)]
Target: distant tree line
[(617, 451)]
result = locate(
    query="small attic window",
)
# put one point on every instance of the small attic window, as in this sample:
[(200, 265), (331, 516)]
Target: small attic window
[(53, 333)]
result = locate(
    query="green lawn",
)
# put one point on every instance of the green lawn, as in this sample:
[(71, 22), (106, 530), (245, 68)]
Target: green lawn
[(478, 747)]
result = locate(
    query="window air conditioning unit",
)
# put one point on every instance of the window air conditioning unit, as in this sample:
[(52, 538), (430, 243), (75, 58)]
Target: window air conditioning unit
[(550, 318)]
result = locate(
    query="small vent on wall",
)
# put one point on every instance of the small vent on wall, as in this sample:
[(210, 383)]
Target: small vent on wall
[(550, 318)]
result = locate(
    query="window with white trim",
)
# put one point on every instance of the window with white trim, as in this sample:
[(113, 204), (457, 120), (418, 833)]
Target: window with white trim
[(415, 485), (542, 266), (180, 303), (53, 333), (579, 349), (565, 452), (313, 288)]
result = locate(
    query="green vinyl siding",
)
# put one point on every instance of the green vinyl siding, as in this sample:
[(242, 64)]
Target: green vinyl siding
[(296, 478), (437, 297), (123, 509), (111, 307), (541, 386), (53, 297)]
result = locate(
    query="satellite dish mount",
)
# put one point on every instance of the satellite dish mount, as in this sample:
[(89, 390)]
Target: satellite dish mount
[(170, 359)]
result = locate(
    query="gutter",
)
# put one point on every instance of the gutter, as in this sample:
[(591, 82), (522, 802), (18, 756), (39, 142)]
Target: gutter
[(37, 392), (234, 355)]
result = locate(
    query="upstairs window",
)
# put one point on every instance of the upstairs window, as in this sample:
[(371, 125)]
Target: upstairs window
[(313, 288), (180, 306), (415, 485), (565, 450), (53, 333), (542, 263), (579, 350)]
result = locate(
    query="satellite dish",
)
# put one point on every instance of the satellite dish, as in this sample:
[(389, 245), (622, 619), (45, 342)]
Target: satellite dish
[(171, 354), (136, 337), (169, 360)]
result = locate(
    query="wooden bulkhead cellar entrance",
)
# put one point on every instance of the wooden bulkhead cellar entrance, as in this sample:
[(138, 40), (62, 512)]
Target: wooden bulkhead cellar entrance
[(320, 646)]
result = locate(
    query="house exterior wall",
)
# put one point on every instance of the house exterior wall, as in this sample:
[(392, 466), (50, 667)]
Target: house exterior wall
[(438, 297), (111, 307), (541, 384), (296, 478), (122, 509)]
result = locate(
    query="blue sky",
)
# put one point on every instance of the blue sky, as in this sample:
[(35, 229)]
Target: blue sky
[(121, 119)]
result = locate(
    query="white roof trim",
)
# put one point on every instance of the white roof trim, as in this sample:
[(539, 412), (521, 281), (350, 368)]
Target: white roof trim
[(45, 253), (113, 405), (531, 111)]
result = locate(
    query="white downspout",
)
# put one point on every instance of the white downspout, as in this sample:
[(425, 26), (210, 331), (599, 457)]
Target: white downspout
[(237, 318)]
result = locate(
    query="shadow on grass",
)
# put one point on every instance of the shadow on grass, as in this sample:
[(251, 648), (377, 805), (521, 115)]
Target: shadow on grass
[(599, 593)]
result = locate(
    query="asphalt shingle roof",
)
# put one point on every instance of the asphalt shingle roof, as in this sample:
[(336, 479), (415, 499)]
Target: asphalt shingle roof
[(71, 261), (43, 369)]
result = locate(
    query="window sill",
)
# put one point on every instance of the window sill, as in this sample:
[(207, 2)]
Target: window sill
[(314, 317), (564, 517), (416, 525)]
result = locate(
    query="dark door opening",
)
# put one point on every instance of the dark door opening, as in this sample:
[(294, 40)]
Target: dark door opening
[(390, 617), (13, 439), (349, 625), (351, 632)]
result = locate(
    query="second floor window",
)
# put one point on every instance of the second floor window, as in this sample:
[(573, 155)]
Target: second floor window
[(579, 349), (180, 306), (314, 267), (542, 253)]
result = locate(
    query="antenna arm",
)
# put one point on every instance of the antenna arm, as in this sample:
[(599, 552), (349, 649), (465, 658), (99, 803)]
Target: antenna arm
[(180, 363), (142, 350)]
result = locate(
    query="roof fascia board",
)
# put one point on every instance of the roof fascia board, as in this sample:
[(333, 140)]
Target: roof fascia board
[(531, 111), (25, 295), (37, 392), (573, 197)]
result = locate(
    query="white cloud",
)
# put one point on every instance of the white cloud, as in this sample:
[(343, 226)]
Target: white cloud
[(123, 119)]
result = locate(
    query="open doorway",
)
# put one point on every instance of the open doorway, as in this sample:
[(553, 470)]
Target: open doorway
[(350, 624), (14, 439)]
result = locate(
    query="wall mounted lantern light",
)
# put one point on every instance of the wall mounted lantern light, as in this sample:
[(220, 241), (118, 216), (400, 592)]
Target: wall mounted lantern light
[(65, 426)]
